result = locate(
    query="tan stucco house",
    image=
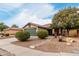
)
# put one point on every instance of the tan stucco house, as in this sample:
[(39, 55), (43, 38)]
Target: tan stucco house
[(33, 28)]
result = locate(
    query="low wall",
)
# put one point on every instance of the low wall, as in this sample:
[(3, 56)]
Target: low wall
[(73, 33)]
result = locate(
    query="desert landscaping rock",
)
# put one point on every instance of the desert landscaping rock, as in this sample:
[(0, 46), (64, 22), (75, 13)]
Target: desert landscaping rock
[(32, 46)]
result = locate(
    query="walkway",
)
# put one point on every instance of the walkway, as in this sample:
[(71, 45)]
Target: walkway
[(22, 51)]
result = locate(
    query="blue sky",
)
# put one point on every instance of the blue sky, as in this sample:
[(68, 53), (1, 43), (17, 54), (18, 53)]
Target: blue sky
[(20, 14)]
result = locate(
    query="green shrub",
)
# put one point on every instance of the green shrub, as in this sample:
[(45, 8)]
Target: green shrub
[(42, 34), (22, 35)]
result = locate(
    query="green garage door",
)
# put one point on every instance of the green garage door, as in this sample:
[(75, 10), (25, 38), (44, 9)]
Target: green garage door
[(32, 31)]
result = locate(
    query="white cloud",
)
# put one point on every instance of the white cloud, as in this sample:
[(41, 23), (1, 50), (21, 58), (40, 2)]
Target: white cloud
[(23, 18), (34, 14), (7, 8), (41, 10)]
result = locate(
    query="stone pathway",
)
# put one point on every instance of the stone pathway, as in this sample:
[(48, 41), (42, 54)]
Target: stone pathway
[(6, 45)]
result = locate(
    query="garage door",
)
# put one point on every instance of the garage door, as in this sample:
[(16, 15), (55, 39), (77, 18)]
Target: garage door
[(32, 31)]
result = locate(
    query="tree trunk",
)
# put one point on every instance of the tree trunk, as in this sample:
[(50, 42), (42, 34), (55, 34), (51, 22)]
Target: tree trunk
[(61, 31), (55, 33), (77, 33), (67, 32), (1, 34)]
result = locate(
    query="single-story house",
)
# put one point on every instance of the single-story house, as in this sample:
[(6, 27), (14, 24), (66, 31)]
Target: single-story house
[(12, 31), (33, 28)]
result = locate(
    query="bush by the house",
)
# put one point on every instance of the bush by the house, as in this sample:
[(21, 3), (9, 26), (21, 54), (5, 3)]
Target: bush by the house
[(42, 34), (22, 35)]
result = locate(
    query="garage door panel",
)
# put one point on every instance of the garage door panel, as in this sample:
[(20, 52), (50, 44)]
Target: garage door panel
[(32, 31)]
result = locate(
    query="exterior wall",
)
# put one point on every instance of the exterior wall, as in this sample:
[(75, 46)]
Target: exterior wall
[(11, 32), (27, 27), (73, 33), (41, 29), (52, 31), (31, 26)]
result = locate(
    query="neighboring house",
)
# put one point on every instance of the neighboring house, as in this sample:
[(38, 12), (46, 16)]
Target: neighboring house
[(33, 28), (12, 31)]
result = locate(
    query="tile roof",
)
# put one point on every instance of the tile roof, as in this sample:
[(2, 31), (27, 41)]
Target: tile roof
[(46, 26)]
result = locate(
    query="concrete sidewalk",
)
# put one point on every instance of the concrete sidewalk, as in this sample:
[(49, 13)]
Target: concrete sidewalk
[(22, 51)]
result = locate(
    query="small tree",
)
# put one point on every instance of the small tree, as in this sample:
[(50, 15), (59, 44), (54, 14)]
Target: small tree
[(68, 19), (14, 26), (3, 26)]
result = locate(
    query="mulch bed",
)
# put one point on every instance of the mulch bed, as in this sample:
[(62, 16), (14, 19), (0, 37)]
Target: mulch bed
[(51, 46)]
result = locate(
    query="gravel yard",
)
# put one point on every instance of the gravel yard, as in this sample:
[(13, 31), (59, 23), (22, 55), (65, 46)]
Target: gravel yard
[(52, 45)]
